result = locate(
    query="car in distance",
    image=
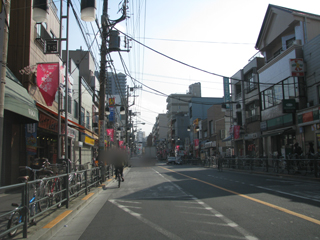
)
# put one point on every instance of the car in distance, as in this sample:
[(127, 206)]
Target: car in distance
[(174, 160)]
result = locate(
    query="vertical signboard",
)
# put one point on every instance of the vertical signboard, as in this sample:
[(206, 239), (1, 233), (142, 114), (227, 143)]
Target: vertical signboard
[(297, 67), (226, 90)]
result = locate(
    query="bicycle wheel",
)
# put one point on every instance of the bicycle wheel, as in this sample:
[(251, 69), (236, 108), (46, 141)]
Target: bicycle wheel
[(43, 195), (13, 221), (72, 186), (78, 186), (58, 193)]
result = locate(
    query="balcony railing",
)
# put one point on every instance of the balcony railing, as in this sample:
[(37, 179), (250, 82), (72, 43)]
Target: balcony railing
[(253, 119)]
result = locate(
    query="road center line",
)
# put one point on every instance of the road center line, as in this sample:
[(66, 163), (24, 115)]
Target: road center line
[(252, 199)]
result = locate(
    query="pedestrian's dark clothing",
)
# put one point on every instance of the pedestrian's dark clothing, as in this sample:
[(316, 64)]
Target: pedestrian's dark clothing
[(311, 149), (297, 149)]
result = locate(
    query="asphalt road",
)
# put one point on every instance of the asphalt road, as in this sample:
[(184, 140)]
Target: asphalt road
[(185, 202)]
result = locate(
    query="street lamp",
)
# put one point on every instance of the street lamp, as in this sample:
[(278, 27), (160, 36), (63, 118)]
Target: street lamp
[(39, 15), (88, 10), (40, 8)]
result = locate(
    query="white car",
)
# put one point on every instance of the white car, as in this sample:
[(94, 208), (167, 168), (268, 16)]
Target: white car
[(174, 160)]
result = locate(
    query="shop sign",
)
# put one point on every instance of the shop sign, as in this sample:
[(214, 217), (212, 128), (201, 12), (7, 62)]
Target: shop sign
[(251, 136), (31, 138), (89, 140), (263, 126), (236, 131), (288, 105), (51, 124), (196, 143), (297, 67)]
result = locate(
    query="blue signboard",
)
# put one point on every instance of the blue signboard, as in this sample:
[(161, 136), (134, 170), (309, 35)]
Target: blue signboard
[(111, 116)]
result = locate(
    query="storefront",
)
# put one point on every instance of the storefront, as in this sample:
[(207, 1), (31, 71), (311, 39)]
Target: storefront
[(89, 146), (47, 138), (309, 129), (278, 136), (19, 110)]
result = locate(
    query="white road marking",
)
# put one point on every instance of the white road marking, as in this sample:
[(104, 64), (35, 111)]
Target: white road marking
[(214, 212), (128, 201), (149, 223)]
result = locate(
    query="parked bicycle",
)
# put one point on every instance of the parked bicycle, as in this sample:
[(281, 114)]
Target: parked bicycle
[(53, 187), (15, 218)]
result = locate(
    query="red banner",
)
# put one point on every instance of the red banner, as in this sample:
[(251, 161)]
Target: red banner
[(236, 131), (48, 81), (121, 143), (196, 143), (110, 133)]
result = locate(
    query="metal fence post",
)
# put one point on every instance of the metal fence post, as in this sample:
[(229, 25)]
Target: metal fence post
[(66, 181), (25, 204), (86, 181), (315, 165)]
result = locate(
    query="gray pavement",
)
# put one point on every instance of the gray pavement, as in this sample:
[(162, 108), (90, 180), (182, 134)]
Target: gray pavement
[(78, 204)]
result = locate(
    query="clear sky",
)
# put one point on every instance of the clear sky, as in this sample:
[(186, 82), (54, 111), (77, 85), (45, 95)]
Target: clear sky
[(217, 36)]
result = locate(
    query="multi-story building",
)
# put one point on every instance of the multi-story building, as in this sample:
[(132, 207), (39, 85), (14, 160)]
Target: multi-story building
[(116, 84), (245, 109), (198, 108), (282, 80), (179, 103), (159, 130), (215, 131)]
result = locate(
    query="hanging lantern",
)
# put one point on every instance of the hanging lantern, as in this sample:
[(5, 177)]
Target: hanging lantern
[(40, 8), (88, 10)]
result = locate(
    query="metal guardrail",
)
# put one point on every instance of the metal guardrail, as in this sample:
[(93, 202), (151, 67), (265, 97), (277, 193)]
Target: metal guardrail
[(303, 166), (89, 178)]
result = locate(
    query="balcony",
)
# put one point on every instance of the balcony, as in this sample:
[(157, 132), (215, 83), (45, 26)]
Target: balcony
[(278, 68), (253, 119), (41, 35)]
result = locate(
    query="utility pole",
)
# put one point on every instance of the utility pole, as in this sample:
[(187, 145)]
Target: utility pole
[(5, 20), (106, 25), (102, 93)]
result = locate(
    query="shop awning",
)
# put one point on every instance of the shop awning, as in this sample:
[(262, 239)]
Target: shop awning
[(17, 98), (227, 138), (278, 132)]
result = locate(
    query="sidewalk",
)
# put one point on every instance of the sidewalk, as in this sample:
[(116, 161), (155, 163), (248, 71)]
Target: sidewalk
[(50, 223)]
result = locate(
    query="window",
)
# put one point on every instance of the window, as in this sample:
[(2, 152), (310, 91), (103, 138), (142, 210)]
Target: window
[(268, 98), (276, 53), (211, 128), (278, 95), (69, 104), (82, 116), (88, 120), (222, 134), (250, 78), (290, 42), (52, 34), (286, 89), (289, 88), (238, 90), (76, 109)]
